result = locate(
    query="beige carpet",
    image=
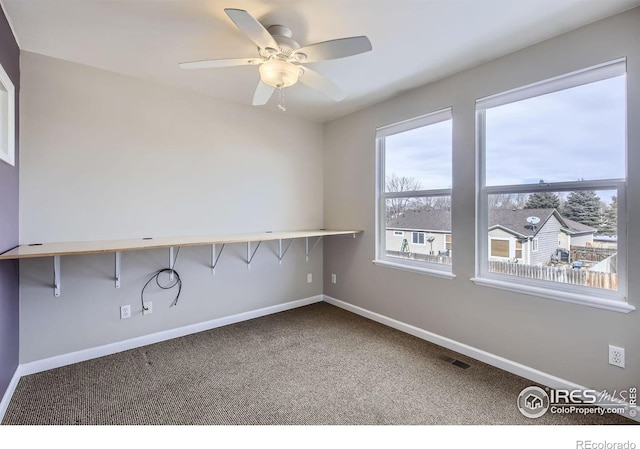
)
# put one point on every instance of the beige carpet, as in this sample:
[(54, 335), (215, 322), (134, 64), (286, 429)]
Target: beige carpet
[(314, 365)]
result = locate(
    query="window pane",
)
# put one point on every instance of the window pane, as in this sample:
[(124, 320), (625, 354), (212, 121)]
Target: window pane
[(569, 135), (426, 223), (419, 159), (499, 248), (564, 237), (518, 254)]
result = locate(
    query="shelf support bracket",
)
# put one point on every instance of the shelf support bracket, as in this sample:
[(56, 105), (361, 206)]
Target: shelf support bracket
[(56, 276), (280, 253), (251, 255), (214, 258), (118, 262), (308, 251), (172, 261)]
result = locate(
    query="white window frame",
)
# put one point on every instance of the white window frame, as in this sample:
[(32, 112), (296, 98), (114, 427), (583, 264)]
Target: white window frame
[(7, 119), (600, 298), (440, 270), (534, 245)]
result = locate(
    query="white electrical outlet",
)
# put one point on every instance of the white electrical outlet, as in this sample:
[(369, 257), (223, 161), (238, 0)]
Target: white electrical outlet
[(125, 312), (147, 308), (334, 279), (616, 356), (309, 278)]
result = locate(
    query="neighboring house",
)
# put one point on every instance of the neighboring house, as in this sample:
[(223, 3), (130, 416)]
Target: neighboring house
[(512, 237), (578, 234), (605, 241), (420, 232)]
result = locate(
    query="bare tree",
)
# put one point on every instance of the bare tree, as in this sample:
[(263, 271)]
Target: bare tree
[(508, 200), (438, 202), (396, 206)]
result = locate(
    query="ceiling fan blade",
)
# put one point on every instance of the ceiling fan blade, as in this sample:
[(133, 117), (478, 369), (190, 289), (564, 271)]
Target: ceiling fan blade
[(262, 94), (316, 81), (215, 63), (334, 49), (252, 28)]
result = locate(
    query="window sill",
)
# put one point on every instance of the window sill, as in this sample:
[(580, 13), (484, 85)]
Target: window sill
[(415, 269), (575, 298)]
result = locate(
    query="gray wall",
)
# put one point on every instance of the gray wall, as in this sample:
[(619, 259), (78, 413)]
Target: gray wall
[(106, 156), (10, 60), (566, 340)]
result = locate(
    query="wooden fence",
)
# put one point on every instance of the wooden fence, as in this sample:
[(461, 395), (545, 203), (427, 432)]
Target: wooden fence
[(587, 278), (421, 257), (590, 253)]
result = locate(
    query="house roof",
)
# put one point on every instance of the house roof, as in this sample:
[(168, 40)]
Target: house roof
[(435, 220), (605, 238), (515, 220), (578, 228), (511, 220)]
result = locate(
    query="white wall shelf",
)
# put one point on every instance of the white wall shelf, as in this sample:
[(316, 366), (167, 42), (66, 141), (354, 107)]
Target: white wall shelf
[(58, 249)]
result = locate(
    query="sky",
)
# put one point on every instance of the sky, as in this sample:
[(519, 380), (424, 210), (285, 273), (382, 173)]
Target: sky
[(574, 134), (423, 154)]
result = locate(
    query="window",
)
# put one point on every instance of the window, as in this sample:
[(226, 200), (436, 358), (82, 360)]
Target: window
[(567, 138), (7, 118), (534, 245), (448, 245), (500, 248), (518, 254), (414, 193)]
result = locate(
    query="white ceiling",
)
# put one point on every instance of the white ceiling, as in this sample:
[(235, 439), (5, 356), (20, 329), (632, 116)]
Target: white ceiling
[(414, 41)]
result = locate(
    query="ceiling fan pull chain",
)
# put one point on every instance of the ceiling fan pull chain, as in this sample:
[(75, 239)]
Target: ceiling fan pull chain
[(281, 99)]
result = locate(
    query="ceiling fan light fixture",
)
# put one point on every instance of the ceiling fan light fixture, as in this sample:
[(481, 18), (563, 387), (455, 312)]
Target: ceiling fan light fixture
[(279, 73)]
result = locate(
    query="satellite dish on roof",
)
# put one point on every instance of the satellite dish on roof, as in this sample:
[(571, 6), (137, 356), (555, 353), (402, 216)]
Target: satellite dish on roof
[(533, 220)]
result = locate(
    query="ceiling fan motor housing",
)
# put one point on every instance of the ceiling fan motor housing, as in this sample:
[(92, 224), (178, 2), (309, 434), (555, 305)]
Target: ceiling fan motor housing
[(282, 35)]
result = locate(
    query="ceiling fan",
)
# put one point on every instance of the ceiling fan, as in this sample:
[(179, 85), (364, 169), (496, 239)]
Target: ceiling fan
[(280, 58)]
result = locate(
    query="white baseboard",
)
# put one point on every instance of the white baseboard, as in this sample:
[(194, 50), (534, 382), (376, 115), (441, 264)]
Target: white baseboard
[(519, 369), (4, 403)]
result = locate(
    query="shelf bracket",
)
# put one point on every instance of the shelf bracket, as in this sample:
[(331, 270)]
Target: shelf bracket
[(172, 261), (118, 262), (214, 258), (308, 251), (56, 276), (280, 253), (251, 255)]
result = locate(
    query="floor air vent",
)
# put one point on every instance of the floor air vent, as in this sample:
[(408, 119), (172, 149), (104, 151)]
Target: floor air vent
[(455, 362)]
